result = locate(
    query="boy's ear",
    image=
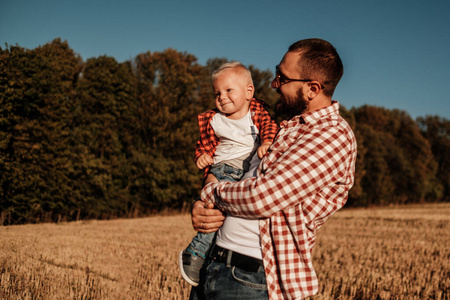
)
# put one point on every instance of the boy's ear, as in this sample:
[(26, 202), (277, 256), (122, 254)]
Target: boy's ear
[(250, 92)]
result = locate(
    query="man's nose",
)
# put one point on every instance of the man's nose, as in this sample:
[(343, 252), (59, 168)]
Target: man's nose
[(274, 84)]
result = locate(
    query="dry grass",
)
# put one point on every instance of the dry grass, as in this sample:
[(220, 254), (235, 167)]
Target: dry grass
[(385, 253)]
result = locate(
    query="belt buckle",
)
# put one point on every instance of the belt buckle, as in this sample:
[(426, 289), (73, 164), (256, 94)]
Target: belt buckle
[(220, 253)]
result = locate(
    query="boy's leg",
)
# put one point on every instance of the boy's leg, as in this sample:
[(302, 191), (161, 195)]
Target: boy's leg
[(224, 172), (220, 172), (209, 178), (192, 258), (201, 243)]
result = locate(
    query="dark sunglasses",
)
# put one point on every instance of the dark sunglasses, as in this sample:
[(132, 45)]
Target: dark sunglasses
[(281, 79)]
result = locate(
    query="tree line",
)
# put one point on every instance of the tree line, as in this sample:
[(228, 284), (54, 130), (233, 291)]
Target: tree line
[(103, 139)]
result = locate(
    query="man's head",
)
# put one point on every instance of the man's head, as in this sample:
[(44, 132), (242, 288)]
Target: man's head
[(307, 76), (233, 89)]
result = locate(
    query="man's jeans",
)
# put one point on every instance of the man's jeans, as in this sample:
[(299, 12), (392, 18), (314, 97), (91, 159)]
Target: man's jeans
[(217, 281)]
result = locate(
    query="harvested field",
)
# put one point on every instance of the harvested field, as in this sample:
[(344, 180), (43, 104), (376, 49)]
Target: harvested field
[(380, 253)]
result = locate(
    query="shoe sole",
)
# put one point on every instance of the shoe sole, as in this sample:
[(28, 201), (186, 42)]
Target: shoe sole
[(183, 274)]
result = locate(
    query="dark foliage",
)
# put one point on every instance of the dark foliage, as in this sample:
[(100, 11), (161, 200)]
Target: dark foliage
[(102, 139)]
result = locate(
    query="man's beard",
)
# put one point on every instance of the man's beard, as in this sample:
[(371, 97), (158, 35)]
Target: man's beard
[(291, 107)]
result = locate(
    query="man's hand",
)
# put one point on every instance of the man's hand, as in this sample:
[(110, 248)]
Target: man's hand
[(263, 149), (203, 161), (205, 218)]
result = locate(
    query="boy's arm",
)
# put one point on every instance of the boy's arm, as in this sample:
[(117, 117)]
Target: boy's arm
[(203, 161), (200, 150), (267, 127), (262, 150), (208, 141)]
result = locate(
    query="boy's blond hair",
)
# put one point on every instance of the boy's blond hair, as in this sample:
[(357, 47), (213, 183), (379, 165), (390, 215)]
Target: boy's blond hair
[(237, 67)]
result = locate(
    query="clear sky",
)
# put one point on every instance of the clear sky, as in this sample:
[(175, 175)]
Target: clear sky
[(395, 52)]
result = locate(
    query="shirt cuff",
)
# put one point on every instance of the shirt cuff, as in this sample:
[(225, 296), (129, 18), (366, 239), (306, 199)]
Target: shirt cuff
[(207, 193), (210, 193)]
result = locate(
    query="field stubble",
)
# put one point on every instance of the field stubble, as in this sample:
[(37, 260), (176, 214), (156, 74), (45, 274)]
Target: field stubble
[(379, 253)]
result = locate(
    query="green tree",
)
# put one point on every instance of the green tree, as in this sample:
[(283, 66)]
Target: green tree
[(39, 96), (437, 131), (103, 139), (399, 164), (103, 125), (213, 64), (378, 187), (11, 91), (356, 197), (173, 90), (262, 81)]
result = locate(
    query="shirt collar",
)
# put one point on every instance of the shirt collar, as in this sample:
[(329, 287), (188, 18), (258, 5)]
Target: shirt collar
[(314, 115)]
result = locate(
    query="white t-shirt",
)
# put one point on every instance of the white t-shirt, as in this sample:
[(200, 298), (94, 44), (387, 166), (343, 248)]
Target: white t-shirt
[(237, 139)]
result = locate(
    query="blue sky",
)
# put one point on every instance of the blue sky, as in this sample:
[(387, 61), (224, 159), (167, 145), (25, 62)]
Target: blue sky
[(395, 52)]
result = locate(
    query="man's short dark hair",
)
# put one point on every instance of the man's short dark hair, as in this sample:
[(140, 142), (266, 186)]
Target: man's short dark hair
[(319, 60)]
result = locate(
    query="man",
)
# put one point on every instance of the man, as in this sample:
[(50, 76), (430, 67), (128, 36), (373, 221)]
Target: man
[(303, 179)]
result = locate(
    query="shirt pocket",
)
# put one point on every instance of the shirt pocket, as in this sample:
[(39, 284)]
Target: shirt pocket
[(286, 140)]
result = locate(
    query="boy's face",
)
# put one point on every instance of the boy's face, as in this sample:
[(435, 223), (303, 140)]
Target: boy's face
[(233, 93)]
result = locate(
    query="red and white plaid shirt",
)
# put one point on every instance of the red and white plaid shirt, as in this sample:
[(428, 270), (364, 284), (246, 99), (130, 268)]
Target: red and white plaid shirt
[(208, 140), (303, 179)]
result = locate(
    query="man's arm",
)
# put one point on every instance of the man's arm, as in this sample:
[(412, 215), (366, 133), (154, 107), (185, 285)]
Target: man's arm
[(317, 160)]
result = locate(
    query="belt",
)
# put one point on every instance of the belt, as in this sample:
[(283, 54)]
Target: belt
[(231, 258)]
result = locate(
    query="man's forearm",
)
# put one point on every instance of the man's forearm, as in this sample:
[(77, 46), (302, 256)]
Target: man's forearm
[(295, 178)]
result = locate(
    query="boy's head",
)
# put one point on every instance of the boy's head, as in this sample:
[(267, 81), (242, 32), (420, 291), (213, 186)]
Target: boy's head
[(233, 89)]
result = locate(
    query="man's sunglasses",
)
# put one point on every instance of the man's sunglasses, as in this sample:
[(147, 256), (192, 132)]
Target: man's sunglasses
[(281, 79)]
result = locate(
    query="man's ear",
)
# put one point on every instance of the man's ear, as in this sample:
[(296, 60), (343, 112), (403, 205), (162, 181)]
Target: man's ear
[(314, 89), (250, 92)]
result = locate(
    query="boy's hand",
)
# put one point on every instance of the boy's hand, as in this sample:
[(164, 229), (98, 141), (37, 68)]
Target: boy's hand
[(263, 149), (203, 161)]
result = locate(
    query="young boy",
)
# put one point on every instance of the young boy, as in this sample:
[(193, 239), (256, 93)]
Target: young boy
[(229, 137)]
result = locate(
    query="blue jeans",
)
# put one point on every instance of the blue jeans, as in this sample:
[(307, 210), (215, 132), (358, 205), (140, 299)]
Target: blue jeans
[(202, 241), (224, 172), (219, 282)]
